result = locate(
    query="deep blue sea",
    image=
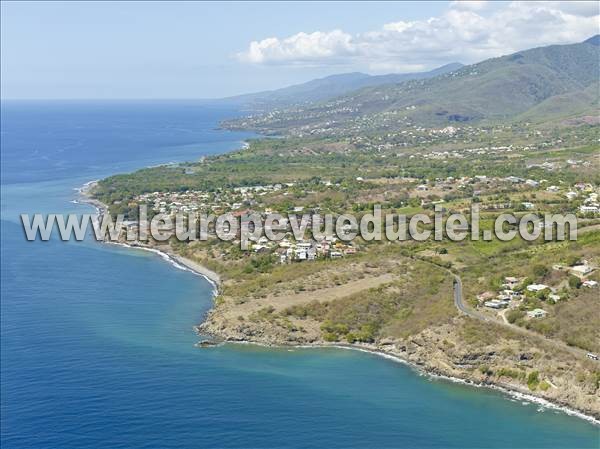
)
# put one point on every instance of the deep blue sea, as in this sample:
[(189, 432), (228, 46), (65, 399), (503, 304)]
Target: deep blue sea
[(97, 345)]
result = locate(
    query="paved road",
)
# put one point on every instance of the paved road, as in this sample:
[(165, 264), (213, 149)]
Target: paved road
[(462, 307)]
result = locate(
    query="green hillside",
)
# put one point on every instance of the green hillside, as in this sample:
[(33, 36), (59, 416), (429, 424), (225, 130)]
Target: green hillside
[(579, 103), (323, 89), (541, 83)]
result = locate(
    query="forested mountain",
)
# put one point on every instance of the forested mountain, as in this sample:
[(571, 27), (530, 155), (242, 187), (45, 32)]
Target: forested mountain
[(323, 89), (539, 84)]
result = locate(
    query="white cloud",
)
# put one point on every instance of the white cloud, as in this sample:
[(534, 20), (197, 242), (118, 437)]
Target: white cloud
[(465, 32), (582, 8), (469, 5), (301, 48)]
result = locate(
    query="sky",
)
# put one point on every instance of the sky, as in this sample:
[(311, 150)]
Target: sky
[(187, 50)]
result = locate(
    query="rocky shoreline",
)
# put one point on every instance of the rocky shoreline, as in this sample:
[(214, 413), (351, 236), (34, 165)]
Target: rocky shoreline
[(508, 389), (85, 197), (424, 352)]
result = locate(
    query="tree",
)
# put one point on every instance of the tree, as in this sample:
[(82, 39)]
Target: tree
[(527, 281), (542, 295), (574, 282), (572, 260), (540, 270), (533, 379), (330, 337), (350, 337)]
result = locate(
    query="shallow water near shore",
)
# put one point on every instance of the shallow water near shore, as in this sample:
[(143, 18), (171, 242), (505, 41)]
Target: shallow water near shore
[(98, 343)]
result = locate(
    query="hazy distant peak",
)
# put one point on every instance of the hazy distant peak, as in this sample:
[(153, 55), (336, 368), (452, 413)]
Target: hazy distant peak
[(594, 40), (326, 88)]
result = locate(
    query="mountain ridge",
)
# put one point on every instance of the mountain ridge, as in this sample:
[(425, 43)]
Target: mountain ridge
[(326, 88), (504, 88)]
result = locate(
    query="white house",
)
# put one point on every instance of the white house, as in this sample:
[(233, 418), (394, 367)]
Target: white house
[(588, 209), (496, 304), (335, 254), (581, 270), (285, 244), (514, 179), (511, 281), (537, 287), (537, 313), (301, 254), (304, 245), (511, 294)]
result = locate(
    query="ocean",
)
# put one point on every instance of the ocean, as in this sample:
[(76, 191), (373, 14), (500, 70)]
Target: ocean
[(97, 341)]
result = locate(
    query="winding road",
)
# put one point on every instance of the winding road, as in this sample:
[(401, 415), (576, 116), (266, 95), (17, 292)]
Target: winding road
[(463, 308)]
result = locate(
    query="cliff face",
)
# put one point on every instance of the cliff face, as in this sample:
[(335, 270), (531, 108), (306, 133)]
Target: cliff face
[(461, 349)]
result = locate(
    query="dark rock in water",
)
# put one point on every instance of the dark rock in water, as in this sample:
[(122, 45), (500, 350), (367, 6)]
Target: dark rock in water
[(206, 344)]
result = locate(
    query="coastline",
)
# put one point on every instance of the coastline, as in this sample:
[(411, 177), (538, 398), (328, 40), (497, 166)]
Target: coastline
[(179, 262), (85, 198), (174, 259), (215, 280), (422, 353), (511, 391)]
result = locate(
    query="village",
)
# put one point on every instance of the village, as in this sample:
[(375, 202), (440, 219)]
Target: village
[(507, 304), (242, 202), (524, 294), (580, 198)]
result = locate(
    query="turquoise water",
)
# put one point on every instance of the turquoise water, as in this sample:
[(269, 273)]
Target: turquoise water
[(97, 345)]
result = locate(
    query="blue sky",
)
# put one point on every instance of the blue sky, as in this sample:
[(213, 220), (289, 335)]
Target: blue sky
[(208, 50)]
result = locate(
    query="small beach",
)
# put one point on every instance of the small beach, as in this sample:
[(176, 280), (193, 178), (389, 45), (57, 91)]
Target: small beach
[(215, 280), (98, 341)]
